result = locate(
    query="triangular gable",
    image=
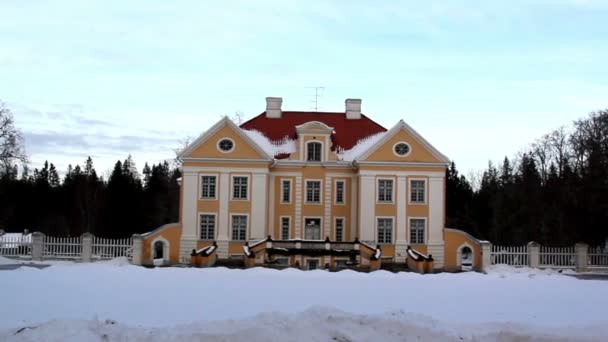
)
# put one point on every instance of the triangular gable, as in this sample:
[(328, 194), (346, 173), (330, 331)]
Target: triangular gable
[(224, 128), (403, 130)]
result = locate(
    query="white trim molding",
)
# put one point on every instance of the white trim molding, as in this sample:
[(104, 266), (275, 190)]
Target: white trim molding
[(231, 189), (336, 181), (247, 229), (425, 236), (377, 192), (410, 188), (201, 213), (392, 218), (290, 181), (305, 192), (200, 186)]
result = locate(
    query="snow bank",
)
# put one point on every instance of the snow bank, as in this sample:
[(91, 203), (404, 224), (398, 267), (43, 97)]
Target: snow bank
[(361, 147), (185, 303), (316, 324), (7, 261), (272, 148)]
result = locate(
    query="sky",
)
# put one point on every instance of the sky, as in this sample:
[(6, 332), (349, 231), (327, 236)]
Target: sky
[(479, 79)]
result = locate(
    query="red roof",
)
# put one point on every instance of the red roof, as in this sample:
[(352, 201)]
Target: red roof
[(347, 132)]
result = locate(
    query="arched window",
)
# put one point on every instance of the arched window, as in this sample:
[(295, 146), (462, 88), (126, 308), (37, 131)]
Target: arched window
[(314, 150)]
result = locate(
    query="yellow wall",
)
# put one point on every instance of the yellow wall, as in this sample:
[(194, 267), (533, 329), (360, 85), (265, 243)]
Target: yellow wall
[(418, 152), (455, 239), (171, 233), (242, 149)]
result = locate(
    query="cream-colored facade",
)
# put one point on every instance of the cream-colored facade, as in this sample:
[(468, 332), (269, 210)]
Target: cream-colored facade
[(388, 193)]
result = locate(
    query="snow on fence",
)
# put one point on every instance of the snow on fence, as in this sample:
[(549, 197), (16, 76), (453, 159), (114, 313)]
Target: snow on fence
[(16, 245), (510, 255), (61, 247), (111, 248), (597, 257), (557, 257)]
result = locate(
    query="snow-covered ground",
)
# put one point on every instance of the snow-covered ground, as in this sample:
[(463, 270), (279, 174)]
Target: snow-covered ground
[(115, 301)]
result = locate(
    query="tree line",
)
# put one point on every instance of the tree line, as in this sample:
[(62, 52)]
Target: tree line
[(82, 201), (555, 192)]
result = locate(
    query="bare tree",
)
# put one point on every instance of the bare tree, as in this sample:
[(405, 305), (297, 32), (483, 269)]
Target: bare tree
[(12, 146)]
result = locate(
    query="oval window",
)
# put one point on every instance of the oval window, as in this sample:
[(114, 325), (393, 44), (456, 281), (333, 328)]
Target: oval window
[(226, 145), (402, 149)]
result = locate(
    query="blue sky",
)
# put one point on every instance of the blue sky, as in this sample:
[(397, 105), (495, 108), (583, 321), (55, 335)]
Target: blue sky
[(479, 79)]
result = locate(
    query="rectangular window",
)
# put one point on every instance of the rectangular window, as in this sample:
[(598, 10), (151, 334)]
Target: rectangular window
[(385, 230), (207, 227), (314, 151), (239, 187), (417, 231), (284, 228), (385, 190), (239, 227), (340, 192), (208, 187), (313, 191), (286, 191), (339, 229), (417, 191)]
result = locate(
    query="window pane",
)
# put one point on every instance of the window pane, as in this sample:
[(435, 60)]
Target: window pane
[(314, 151), (385, 190), (313, 191), (417, 231), (417, 190), (285, 228), (286, 191), (385, 230), (239, 227), (340, 192), (339, 229), (240, 188), (208, 187), (207, 227)]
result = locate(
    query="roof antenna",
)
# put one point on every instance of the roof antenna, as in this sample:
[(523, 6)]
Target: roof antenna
[(318, 93)]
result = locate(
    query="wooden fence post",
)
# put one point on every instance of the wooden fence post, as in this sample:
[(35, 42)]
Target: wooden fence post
[(582, 251), (533, 254), (37, 246)]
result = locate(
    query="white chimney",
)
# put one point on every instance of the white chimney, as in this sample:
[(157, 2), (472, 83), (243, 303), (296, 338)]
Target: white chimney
[(353, 109), (273, 107)]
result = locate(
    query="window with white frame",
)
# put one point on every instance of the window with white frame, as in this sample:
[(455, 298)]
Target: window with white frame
[(313, 191), (314, 151), (207, 227), (239, 227), (208, 184), (339, 229), (284, 228), (286, 191), (417, 231), (417, 191), (340, 192), (239, 187), (385, 190), (385, 230)]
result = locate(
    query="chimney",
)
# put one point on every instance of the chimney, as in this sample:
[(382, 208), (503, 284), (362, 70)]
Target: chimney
[(353, 109), (273, 107)]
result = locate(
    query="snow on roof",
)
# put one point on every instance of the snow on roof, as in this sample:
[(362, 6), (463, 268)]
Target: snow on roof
[(361, 147), (272, 148)]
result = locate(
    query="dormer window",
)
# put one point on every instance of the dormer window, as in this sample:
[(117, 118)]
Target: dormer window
[(314, 150)]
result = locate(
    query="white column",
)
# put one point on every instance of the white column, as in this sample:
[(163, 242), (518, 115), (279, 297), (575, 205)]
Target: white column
[(259, 193), (436, 220), (298, 211), (354, 196), (327, 201), (222, 217), (367, 210), (189, 214), (271, 204), (401, 234)]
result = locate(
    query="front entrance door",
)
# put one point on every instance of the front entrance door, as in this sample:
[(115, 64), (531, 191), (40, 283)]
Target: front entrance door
[(312, 229), (313, 264)]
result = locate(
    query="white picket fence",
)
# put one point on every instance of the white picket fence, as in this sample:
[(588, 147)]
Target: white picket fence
[(111, 248), (16, 245), (557, 257), (510, 255), (86, 247), (61, 247), (597, 257)]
